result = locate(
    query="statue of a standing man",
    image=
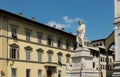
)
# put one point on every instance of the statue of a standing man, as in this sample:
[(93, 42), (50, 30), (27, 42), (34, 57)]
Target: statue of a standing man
[(80, 34)]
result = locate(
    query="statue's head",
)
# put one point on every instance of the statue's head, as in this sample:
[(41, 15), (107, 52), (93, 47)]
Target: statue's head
[(80, 22)]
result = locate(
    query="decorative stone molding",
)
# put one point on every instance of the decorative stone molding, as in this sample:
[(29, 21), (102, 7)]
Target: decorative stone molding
[(60, 53), (40, 50), (14, 45), (68, 55), (50, 51), (28, 48)]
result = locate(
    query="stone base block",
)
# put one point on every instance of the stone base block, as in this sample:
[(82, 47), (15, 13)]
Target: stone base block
[(116, 71), (83, 74)]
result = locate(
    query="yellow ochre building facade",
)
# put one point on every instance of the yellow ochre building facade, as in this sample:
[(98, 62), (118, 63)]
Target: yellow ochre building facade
[(32, 49)]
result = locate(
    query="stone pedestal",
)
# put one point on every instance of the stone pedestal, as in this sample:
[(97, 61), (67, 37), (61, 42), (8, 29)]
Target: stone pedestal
[(82, 64)]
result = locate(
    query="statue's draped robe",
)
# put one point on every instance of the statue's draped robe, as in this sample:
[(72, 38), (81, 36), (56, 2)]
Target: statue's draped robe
[(80, 35)]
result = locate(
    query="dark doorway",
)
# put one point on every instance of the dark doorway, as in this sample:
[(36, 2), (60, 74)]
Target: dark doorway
[(49, 73)]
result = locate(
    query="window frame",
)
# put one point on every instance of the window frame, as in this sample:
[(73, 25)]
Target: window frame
[(50, 57), (39, 37), (67, 45), (68, 58), (28, 51), (50, 40), (39, 56), (59, 43), (28, 55), (28, 33), (13, 71), (14, 31), (28, 72), (60, 58), (59, 73), (14, 54), (50, 54), (39, 72)]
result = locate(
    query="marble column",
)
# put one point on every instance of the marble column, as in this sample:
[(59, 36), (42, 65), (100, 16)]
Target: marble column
[(116, 71)]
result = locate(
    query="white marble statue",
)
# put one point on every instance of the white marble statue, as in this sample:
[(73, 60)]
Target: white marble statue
[(80, 34)]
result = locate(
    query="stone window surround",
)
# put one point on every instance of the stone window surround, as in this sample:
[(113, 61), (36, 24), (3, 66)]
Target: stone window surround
[(59, 56), (28, 50), (14, 26), (28, 72), (28, 31), (14, 46), (61, 42), (68, 58), (50, 40), (14, 72), (50, 53), (39, 39), (39, 51), (67, 45)]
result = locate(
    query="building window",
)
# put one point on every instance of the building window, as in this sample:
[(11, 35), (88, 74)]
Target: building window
[(67, 58), (100, 44), (59, 43), (101, 59), (14, 31), (101, 66), (96, 44), (110, 67), (97, 54), (93, 64), (40, 52), (50, 41), (39, 73), (28, 55), (74, 46), (40, 56), (39, 38), (49, 57), (50, 53), (67, 45), (14, 51), (110, 60), (59, 73), (59, 58), (14, 72), (28, 34), (27, 72), (28, 50)]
